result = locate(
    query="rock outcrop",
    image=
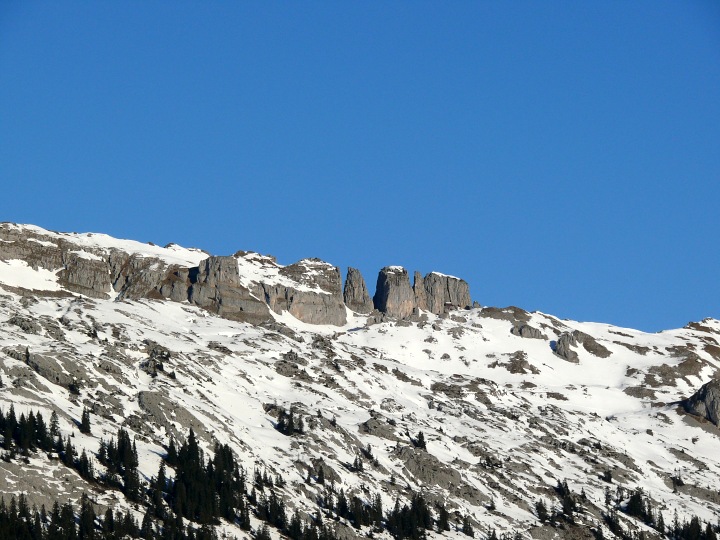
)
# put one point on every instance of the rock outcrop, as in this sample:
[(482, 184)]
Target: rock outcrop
[(246, 286), (393, 294), (436, 293), (84, 272), (706, 402), (419, 290), (311, 292), (527, 331), (445, 292), (356, 295), (573, 339), (563, 347), (217, 287)]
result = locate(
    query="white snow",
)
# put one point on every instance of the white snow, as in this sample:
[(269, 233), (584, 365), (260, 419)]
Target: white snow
[(393, 370), (256, 268), (17, 273), (445, 275)]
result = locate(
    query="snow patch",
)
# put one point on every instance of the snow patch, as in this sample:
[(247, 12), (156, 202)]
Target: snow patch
[(17, 273)]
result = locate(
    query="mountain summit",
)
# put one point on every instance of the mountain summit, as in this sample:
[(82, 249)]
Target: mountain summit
[(176, 394)]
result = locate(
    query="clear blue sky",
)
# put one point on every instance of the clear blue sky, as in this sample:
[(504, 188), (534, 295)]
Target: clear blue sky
[(559, 156)]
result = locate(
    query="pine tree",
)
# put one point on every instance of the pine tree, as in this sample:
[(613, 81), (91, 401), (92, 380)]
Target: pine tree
[(263, 533), (295, 528), (467, 527), (54, 425), (42, 436), (146, 529), (67, 522), (541, 510), (158, 487), (172, 456), (85, 422), (68, 456), (86, 529), (660, 525), (443, 523), (108, 523)]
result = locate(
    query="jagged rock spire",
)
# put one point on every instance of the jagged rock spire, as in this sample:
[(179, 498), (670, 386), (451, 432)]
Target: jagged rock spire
[(355, 294)]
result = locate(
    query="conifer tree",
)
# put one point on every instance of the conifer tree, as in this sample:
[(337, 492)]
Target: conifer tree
[(467, 527), (443, 519), (172, 453), (108, 523), (86, 529), (54, 425), (660, 524), (85, 422), (146, 529)]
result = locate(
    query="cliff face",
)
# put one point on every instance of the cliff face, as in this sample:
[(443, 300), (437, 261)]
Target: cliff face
[(393, 294), (706, 402), (244, 287), (80, 272), (436, 293), (215, 285), (443, 292), (356, 295), (310, 290)]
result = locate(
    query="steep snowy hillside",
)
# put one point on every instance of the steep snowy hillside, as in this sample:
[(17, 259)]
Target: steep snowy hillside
[(488, 414)]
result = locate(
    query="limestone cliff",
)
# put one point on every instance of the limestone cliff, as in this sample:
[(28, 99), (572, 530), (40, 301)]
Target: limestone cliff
[(356, 295), (436, 293), (393, 294)]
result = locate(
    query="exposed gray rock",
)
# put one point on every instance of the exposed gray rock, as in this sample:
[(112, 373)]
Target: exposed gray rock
[(510, 313), (280, 328), (435, 292), (85, 275), (527, 331), (61, 368), (427, 468), (317, 298), (563, 347), (331, 476), (134, 276), (25, 324), (393, 294), (445, 293), (356, 295), (379, 428), (591, 345), (164, 413), (217, 288), (420, 293), (706, 402), (572, 339)]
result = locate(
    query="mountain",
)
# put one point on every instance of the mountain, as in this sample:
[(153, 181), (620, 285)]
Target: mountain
[(285, 404)]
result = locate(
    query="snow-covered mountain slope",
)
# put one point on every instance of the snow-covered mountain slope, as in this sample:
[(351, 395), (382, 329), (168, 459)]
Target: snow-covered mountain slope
[(508, 402)]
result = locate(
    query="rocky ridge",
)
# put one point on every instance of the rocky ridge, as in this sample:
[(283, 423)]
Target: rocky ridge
[(243, 287), (436, 293), (508, 402)]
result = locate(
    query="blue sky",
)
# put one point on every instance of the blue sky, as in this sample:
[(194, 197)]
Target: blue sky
[(559, 156)]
